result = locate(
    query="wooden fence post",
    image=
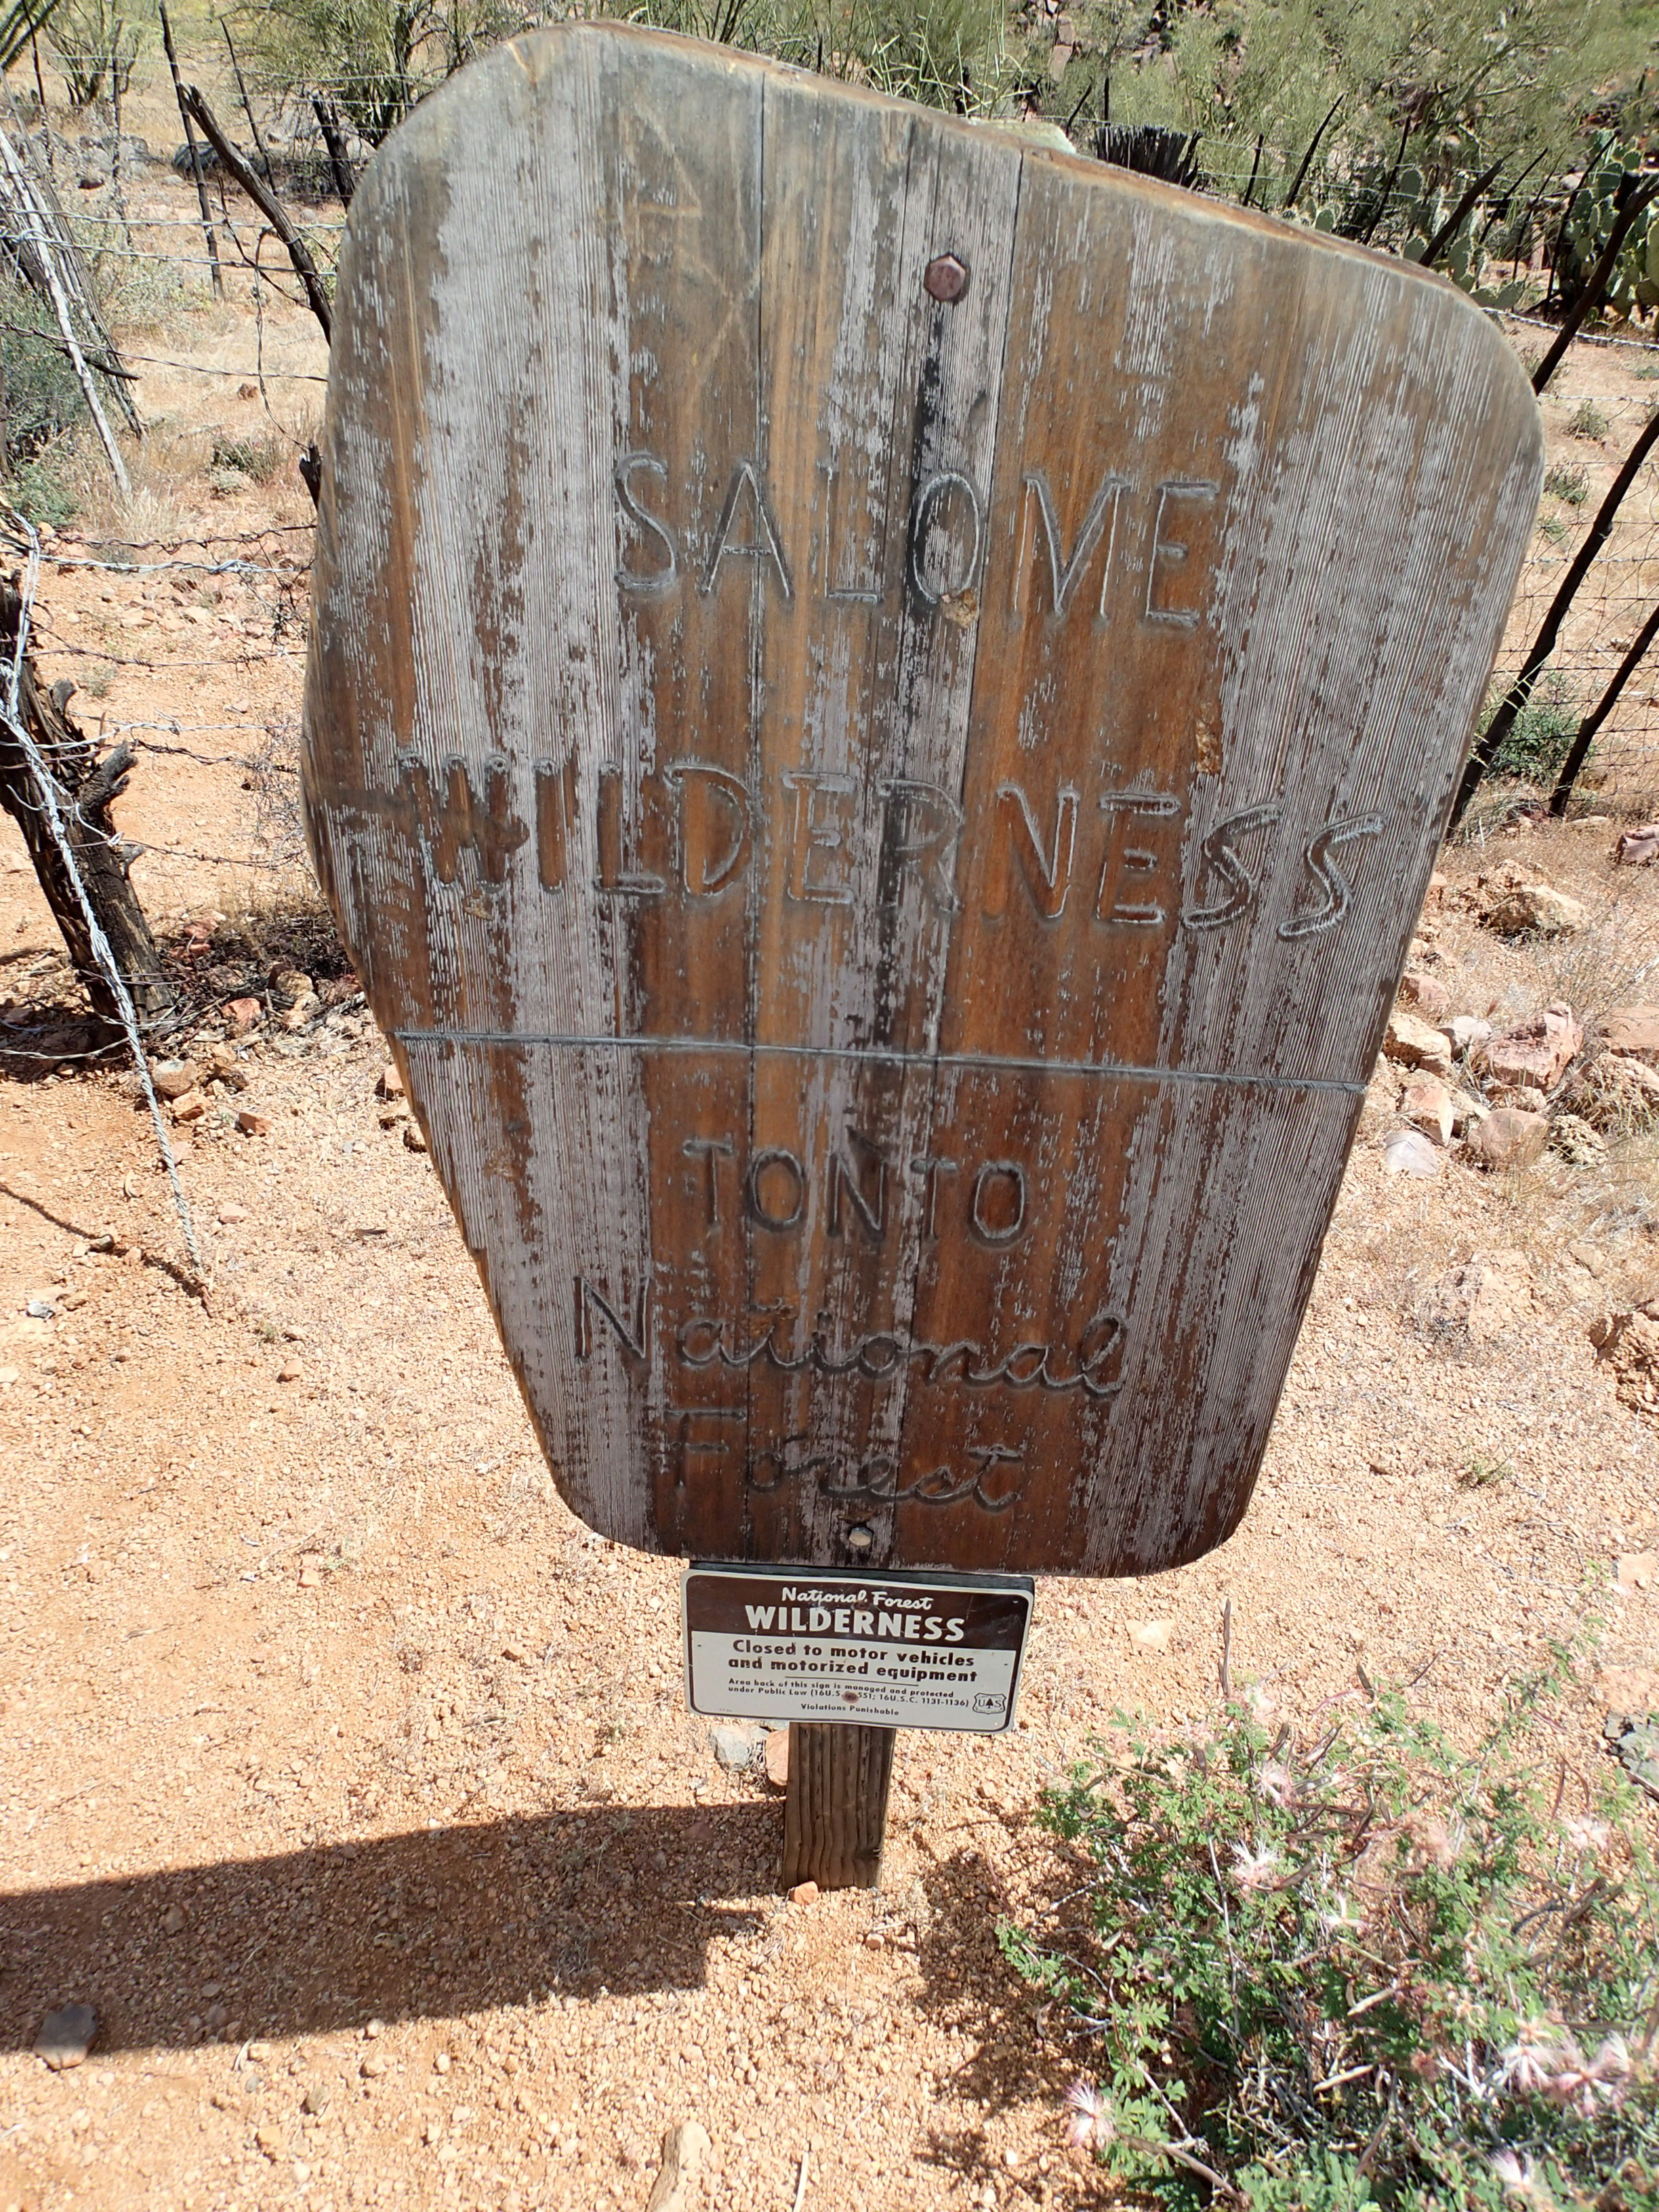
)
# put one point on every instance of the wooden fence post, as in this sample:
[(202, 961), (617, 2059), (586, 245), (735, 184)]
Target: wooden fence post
[(195, 160), (835, 1822)]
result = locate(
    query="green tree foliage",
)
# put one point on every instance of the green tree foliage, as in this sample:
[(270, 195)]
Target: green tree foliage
[(1431, 86), (375, 57), (88, 36), (962, 55)]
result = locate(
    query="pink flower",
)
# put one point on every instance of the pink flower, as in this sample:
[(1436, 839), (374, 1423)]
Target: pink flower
[(1255, 1870), (1090, 2126), (1276, 1784), (1584, 1834), (1529, 2060), (1515, 2172)]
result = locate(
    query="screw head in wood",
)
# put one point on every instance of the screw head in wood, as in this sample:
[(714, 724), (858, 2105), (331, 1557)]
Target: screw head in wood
[(946, 278), (860, 1538)]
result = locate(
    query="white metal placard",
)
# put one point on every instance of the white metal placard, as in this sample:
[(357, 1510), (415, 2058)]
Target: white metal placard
[(910, 1650)]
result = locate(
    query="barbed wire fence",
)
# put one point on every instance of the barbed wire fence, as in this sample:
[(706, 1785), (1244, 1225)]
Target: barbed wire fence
[(1591, 437)]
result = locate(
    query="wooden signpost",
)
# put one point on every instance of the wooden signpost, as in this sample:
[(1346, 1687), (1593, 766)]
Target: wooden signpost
[(880, 709)]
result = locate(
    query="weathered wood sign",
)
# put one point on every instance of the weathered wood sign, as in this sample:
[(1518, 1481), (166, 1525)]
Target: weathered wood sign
[(879, 711)]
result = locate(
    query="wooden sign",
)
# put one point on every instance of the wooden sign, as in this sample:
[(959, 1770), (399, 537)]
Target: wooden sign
[(880, 709)]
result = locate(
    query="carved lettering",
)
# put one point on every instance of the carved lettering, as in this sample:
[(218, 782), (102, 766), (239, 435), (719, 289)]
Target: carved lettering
[(1221, 859), (1046, 874), (616, 878), (491, 832), (872, 1212), (1099, 524), (930, 1168), (712, 1340), (920, 826), (654, 582), (1125, 808), (556, 820), (1166, 553), (948, 484), (770, 1157), (765, 545), (996, 1213), (875, 1477), (810, 833), (635, 1341), (713, 1149), (846, 594), (706, 792), (711, 1447), (1325, 875)]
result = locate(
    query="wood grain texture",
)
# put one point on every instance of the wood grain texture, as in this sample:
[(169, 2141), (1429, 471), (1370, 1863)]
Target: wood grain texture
[(834, 1818), (883, 829)]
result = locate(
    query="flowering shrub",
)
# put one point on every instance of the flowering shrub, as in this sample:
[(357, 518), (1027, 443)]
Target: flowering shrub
[(1365, 1969)]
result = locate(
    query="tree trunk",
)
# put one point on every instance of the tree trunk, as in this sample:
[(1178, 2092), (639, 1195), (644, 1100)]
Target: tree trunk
[(85, 786)]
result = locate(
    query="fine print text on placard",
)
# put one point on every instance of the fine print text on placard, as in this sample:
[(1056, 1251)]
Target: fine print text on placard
[(895, 1651)]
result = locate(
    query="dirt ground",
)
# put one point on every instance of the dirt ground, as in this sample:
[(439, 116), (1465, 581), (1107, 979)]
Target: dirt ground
[(350, 1779)]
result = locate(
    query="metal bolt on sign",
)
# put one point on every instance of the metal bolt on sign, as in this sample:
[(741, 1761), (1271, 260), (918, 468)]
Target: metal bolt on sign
[(883, 839)]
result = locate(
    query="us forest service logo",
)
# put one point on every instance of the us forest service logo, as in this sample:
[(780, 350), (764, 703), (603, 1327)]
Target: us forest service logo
[(880, 707)]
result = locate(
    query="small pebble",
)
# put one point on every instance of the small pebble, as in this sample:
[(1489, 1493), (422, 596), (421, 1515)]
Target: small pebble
[(804, 1893), (66, 2036)]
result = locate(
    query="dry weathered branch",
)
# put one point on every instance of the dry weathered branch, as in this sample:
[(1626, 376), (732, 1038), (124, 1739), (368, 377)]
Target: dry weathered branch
[(269, 205), (86, 788)]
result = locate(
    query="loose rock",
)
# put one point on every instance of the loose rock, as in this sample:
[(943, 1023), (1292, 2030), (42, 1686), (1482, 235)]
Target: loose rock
[(66, 2036), (190, 1108), (1525, 1096), (1408, 1151), (1629, 1343), (1416, 1043), (1536, 910), (1507, 1139), (1578, 1144), (1633, 1030), (684, 2148), (174, 1078), (413, 1137), (1427, 1105), (1426, 994), (804, 1893), (734, 1744), (243, 1013), (1637, 847), (1537, 1052), (1465, 1033), (251, 1124), (1489, 1295), (390, 1084), (1614, 1092)]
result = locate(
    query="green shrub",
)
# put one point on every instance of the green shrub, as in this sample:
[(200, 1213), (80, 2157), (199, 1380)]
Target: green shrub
[(1359, 1967), (43, 396), (86, 35), (1587, 420), (256, 459), (1568, 483), (39, 488), (1541, 735)]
